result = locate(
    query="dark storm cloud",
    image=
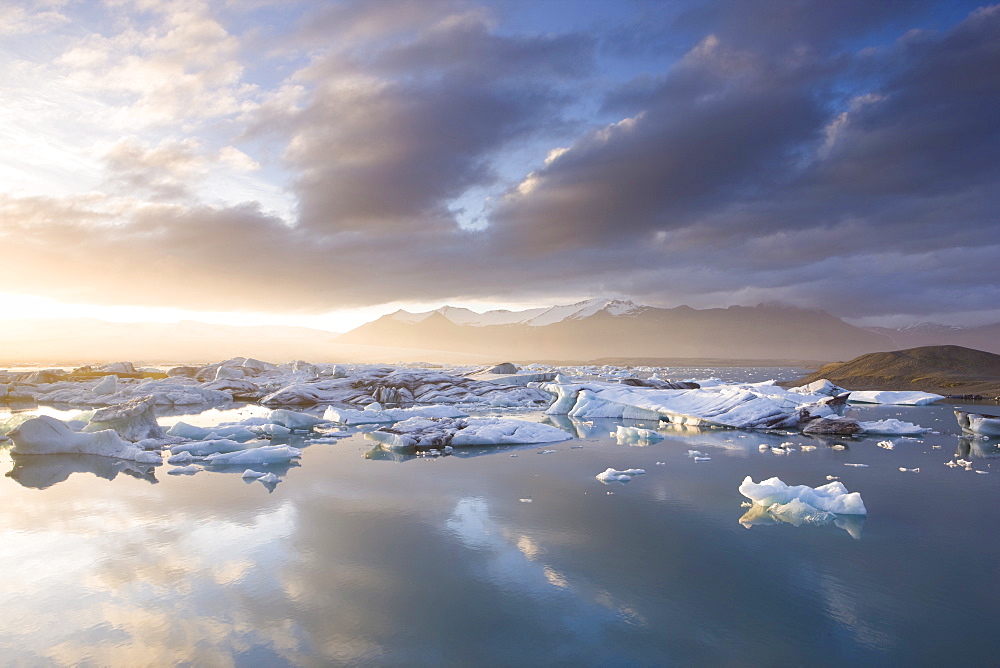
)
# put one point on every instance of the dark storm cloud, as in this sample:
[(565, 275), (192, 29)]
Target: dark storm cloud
[(738, 150), (390, 137)]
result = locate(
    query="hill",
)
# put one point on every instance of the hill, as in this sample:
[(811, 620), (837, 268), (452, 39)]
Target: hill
[(949, 370), (983, 337)]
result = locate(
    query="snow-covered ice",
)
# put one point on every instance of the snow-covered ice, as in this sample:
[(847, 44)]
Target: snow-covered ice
[(613, 475), (832, 497), (899, 398)]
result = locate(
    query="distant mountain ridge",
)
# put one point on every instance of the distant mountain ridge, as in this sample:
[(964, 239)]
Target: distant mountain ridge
[(620, 328), (536, 317), (983, 337)]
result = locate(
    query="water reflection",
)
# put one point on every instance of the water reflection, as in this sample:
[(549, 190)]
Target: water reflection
[(758, 515), (977, 447), (41, 471)]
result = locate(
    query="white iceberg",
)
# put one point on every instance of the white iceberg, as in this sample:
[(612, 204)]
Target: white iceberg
[(899, 398), (295, 420), (613, 475), (133, 420), (892, 427), (234, 432), (46, 435), (757, 406), (978, 423), (832, 497), (266, 454), (438, 432), (208, 447)]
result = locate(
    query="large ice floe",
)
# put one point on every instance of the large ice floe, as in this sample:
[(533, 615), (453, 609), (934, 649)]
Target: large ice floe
[(751, 406), (978, 423), (45, 435), (419, 432)]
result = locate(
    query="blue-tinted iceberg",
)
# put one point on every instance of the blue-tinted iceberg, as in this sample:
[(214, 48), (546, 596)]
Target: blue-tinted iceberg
[(46, 435)]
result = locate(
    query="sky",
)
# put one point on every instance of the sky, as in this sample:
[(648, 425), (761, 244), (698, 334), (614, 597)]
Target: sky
[(321, 163)]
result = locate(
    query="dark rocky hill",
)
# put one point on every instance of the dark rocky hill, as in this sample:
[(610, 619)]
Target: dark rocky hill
[(948, 370)]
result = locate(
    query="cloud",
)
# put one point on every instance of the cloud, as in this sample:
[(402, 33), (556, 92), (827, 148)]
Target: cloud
[(791, 160)]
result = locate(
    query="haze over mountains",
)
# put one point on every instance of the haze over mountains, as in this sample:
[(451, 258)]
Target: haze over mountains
[(592, 329), (620, 328)]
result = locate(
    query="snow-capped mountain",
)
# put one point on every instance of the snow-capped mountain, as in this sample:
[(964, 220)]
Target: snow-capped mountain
[(598, 328), (983, 337), (536, 317)]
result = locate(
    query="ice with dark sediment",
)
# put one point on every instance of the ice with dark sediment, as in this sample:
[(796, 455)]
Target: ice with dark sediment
[(418, 432)]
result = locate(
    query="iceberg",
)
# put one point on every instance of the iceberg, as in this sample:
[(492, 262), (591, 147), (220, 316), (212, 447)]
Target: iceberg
[(419, 432), (979, 423), (235, 432), (133, 420), (209, 447), (757, 406), (612, 475), (900, 398), (294, 420), (832, 497), (46, 435), (265, 454), (892, 427), (375, 414)]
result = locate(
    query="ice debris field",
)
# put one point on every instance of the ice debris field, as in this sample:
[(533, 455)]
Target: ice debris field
[(118, 411)]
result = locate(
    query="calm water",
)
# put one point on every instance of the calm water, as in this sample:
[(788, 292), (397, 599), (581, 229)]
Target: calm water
[(483, 558)]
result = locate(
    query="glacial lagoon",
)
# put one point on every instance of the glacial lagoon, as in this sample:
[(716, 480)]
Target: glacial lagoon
[(511, 555)]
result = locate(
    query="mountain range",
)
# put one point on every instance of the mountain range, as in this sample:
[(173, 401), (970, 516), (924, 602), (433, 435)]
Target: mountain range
[(983, 337), (587, 330), (621, 328)]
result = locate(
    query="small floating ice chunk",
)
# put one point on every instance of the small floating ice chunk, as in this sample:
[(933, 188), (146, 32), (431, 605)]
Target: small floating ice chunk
[(763, 447), (525, 500), (695, 453), (888, 445), (807, 448), (612, 475), (703, 459), (636, 435), (190, 469), (183, 457), (860, 466), (269, 478), (833, 477), (270, 430), (906, 470), (832, 497)]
